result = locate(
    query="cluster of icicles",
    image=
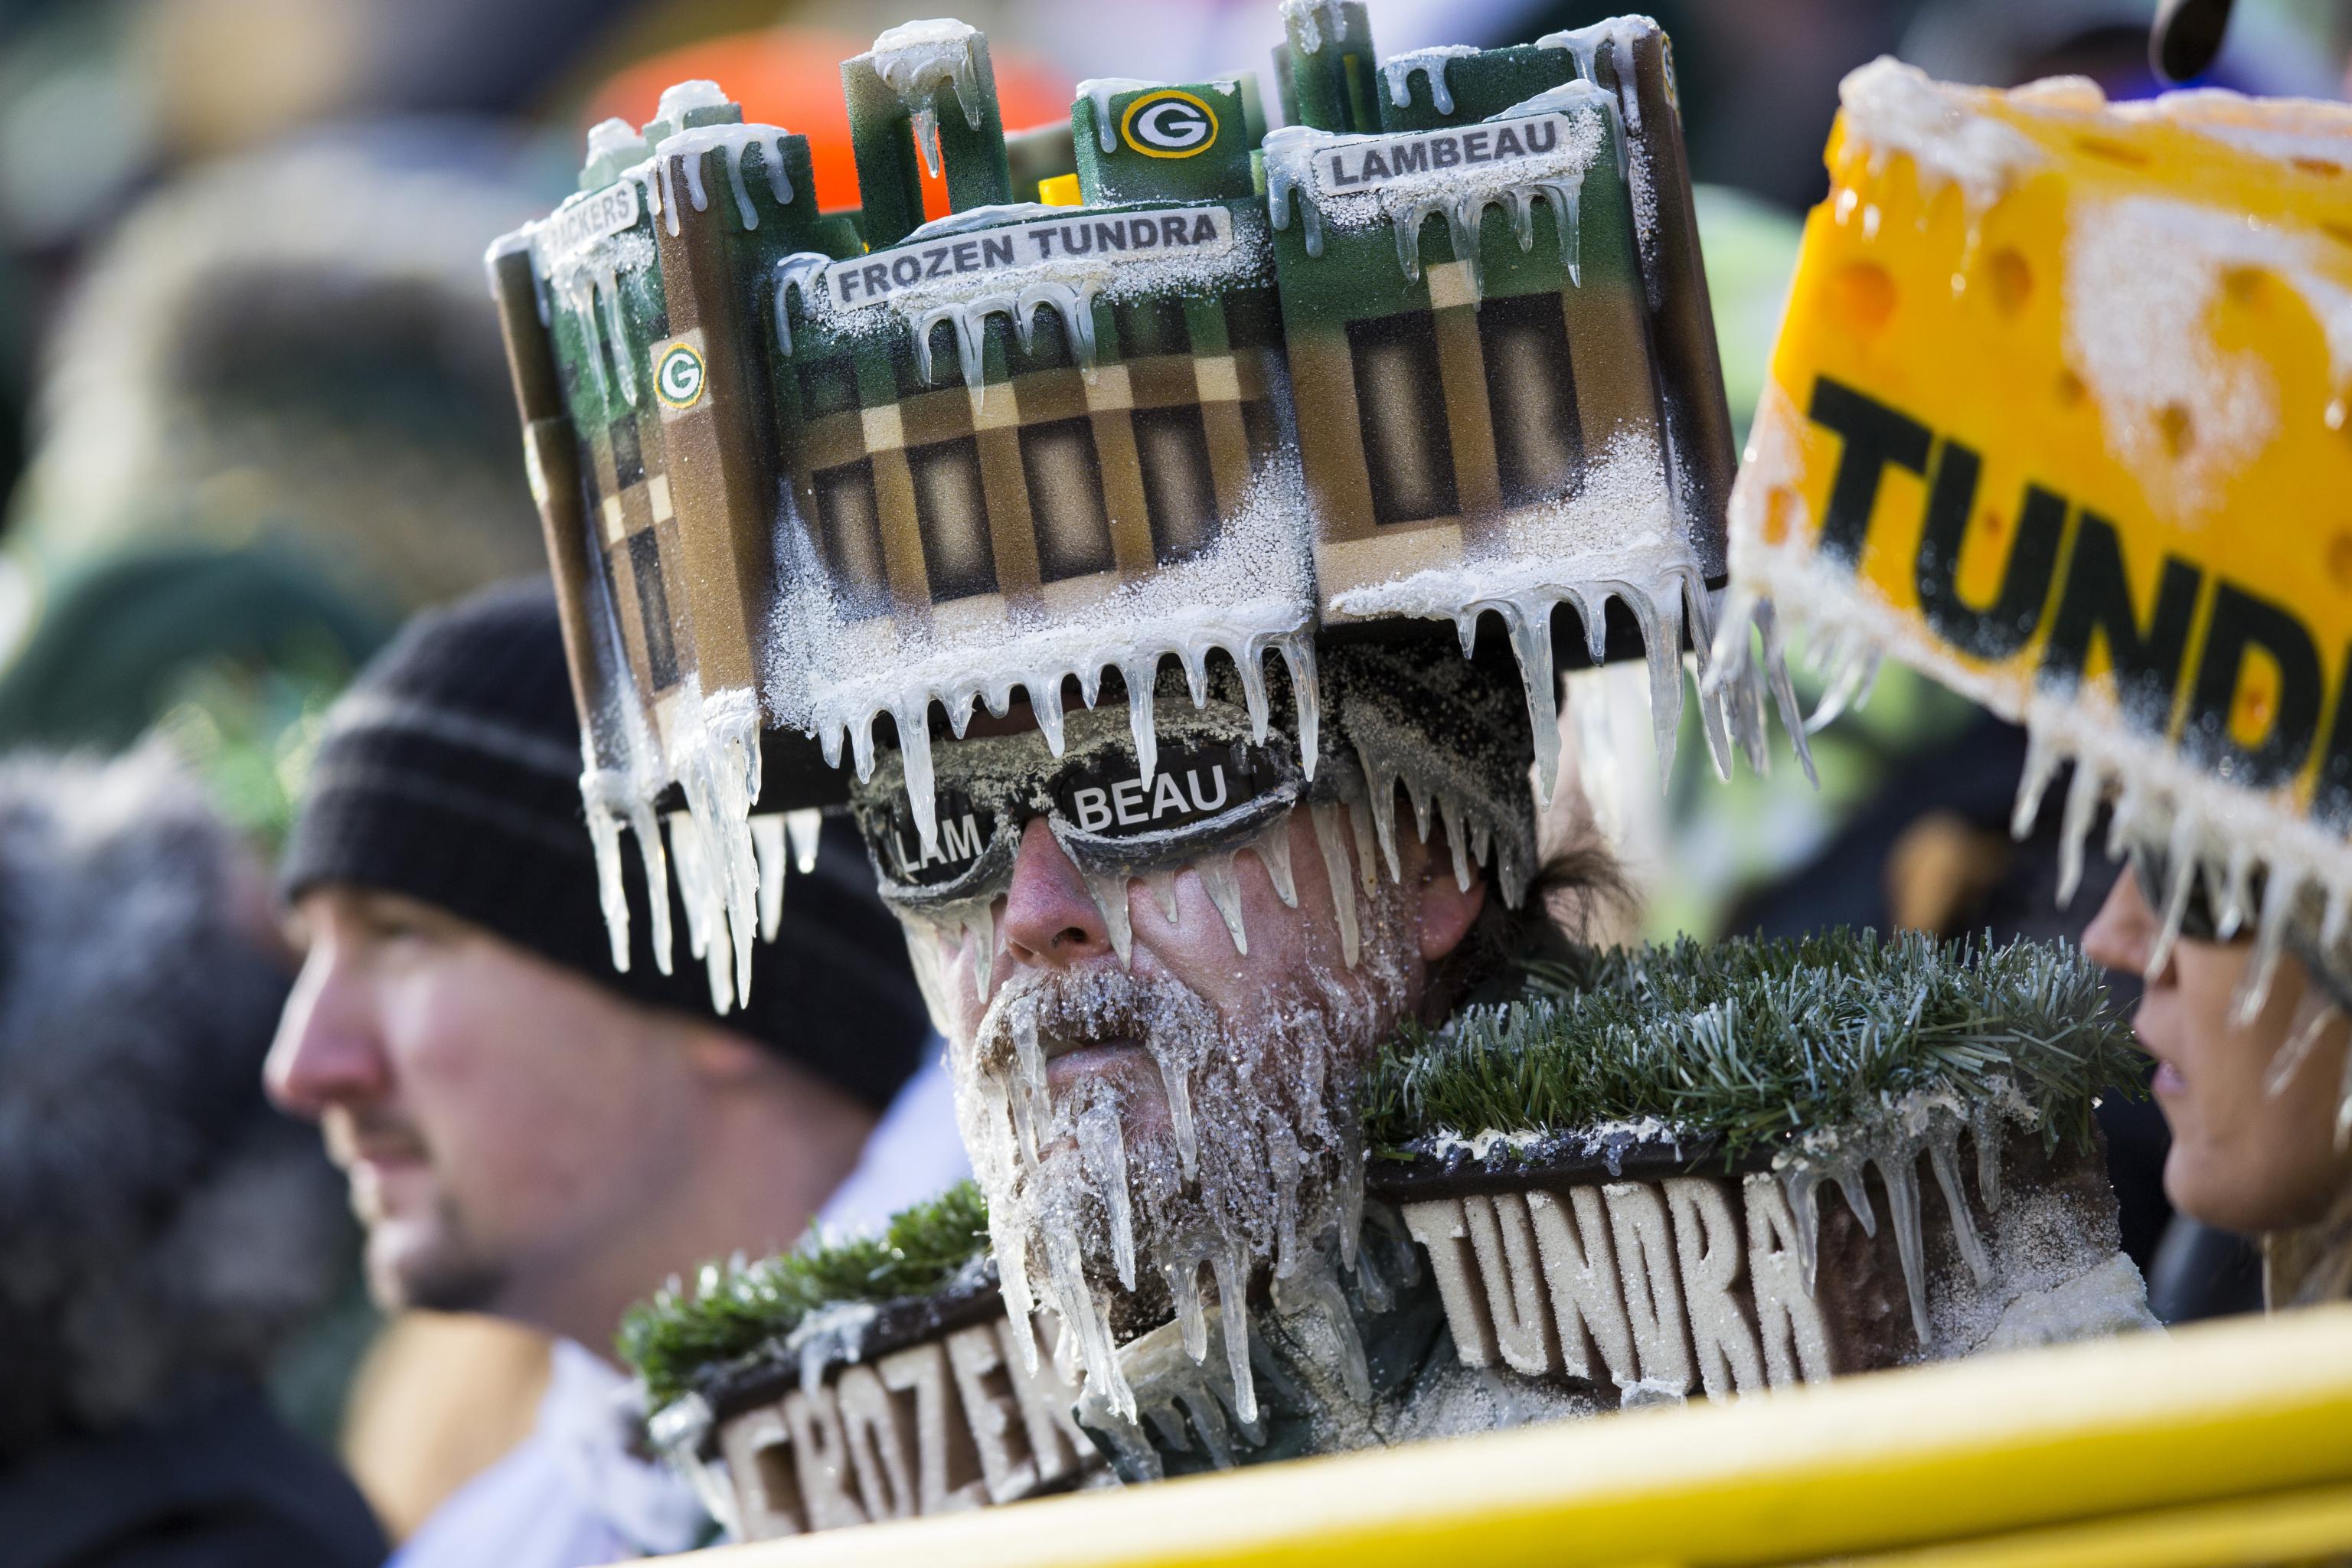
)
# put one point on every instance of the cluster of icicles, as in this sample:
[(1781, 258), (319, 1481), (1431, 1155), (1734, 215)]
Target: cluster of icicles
[(1473, 837), (1290, 153), (729, 865), (2207, 829), (1200, 1364), (1071, 301), (1893, 1148), (1137, 664), (588, 285), (916, 60)]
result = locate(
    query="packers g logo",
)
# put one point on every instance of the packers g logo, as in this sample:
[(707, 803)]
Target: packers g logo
[(678, 377), (1168, 124)]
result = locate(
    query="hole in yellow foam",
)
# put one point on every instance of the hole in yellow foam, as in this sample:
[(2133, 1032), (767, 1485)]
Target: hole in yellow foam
[(2180, 431), (2012, 281), (1863, 294)]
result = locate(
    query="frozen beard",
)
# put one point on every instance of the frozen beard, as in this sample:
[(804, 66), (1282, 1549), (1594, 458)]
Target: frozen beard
[(1194, 1140)]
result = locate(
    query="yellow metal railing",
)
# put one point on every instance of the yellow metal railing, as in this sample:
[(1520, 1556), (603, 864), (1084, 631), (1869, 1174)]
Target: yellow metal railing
[(2226, 1444)]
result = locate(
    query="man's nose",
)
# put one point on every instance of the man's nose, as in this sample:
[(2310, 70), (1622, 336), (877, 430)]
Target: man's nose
[(2121, 935), (326, 1052), (1050, 919)]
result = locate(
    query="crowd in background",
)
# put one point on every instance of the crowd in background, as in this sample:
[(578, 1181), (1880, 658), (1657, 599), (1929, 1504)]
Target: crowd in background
[(254, 416)]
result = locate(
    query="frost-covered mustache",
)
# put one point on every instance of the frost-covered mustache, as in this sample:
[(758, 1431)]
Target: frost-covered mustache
[(1040, 1013)]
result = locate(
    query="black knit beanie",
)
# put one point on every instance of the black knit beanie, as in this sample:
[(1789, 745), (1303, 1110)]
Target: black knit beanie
[(449, 774)]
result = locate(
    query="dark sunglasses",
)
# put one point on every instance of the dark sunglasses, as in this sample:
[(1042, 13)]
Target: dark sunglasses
[(1213, 786)]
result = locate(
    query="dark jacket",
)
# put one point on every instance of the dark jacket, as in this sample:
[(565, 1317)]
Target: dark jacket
[(225, 1486)]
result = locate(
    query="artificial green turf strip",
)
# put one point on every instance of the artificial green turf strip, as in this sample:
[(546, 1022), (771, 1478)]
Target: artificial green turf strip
[(1756, 1041), (738, 1308)]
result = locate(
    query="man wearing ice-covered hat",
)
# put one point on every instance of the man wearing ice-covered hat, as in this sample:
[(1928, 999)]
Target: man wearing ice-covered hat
[(1172, 560)]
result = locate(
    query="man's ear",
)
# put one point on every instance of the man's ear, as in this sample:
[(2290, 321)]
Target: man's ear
[(1448, 910)]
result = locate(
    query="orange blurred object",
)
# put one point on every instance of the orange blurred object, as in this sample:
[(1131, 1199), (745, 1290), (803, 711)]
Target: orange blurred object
[(791, 76)]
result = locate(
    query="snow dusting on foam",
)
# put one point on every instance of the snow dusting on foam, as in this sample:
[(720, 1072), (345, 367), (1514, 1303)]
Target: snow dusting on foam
[(1249, 594), (1892, 108), (2142, 275), (1430, 63)]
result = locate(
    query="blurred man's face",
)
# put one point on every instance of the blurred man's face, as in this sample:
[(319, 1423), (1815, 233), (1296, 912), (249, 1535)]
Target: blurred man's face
[(493, 1112), (1191, 1108), (2245, 1156)]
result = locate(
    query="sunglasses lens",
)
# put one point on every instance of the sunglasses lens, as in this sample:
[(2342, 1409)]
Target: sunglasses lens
[(965, 830), (1106, 795)]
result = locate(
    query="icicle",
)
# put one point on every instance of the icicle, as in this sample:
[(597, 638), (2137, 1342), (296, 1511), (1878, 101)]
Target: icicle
[(916, 60), (1288, 152), (1430, 62), (604, 843), (1528, 625), (1163, 893), (1565, 196), (1900, 1172), (2231, 914), (1784, 695), (1109, 890), (1457, 839), (1662, 642), (1848, 667), (2074, 826), (1104, 1148), (1181, 1125), (1943, 1155), (2041, 759), (1985, 1127), (767, 843), (1326, 816), (1284, 1159), (1313, 17), (706, 915), (2278, 901), (805, 827), (1028, 1052), (2343, 1106), (1020, 1302), (1140, 675), (1216, 874), (1318, 1294), (609, 285), (801, 270), (1848, 1175), (1233, 1319), (2176, 902), (1273, 847), (1083, 1314), (1252, 667), (1381, 802), (1801, 1186), (915, 762), (1299, 658), (719, 772), (1208, 1422), (1350, 1195), (1192, 1318)]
